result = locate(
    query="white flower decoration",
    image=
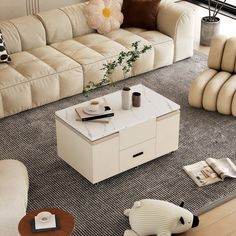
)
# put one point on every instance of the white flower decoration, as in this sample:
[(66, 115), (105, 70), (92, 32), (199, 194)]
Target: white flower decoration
[(104, 15)]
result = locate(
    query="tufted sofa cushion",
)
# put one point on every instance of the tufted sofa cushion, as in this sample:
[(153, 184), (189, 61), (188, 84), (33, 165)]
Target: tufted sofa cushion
[(37, 77), (91, 51), (31, 31)]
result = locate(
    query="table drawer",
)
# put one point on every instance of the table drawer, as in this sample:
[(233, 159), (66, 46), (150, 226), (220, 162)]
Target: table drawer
[(137, 155), (136, 134)]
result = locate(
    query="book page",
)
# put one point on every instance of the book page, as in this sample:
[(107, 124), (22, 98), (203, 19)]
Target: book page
[(201, 173), (223, 167)]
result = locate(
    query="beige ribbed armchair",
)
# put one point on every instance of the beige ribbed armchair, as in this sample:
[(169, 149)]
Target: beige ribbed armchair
[(215, 88)]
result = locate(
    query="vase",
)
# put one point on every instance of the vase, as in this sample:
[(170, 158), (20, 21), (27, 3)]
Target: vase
[(208, 30), (126, 98)]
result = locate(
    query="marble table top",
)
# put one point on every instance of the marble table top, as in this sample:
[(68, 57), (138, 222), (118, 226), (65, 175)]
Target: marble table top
[(153, 105)]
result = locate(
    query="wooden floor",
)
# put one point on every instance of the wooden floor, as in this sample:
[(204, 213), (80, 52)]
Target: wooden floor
[(220, 221)]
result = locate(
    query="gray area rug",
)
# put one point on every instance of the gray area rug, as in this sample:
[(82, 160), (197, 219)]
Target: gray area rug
[(98, 209)]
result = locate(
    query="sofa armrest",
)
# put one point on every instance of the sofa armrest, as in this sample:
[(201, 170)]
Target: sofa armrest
[(14, 184), (177, 22)]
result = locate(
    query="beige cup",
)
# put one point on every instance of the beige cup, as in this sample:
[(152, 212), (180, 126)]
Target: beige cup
[(94, 105)]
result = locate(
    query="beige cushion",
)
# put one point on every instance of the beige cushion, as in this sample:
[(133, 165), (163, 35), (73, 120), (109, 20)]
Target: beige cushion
[(126, 38), (234, 105), (216, 52), (70, 74), (14, 186), (11, 37), (31, 31), (225, 96), (91, 52), (198, 86), (77, 19), (229, 56), (57, 25), (163, 46), (37, 77), (212, 89)]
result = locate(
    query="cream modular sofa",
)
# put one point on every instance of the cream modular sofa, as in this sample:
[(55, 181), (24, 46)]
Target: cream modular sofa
[(14, 184), (55, 53)]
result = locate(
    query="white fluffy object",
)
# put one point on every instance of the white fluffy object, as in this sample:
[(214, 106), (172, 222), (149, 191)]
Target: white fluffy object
[(156, 217)]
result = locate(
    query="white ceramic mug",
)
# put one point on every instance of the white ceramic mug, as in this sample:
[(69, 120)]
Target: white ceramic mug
[(44, 216), (94, 105)]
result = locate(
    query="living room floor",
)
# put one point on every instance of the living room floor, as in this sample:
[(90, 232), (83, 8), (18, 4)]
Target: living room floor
[(219, 221)]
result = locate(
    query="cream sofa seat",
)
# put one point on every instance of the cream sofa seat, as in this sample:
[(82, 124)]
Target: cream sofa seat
[(215, 88), (37, 77), (14, 186), (91, 51), (55, 54)]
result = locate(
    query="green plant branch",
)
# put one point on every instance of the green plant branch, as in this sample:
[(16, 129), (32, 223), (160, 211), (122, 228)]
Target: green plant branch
[(125, 59)]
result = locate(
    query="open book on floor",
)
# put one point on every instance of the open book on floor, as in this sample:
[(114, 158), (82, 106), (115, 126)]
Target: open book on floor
[(211, 171)]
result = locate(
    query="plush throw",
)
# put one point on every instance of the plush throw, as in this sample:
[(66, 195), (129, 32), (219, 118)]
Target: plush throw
[(104, 15), (4, 56), (140, 13)]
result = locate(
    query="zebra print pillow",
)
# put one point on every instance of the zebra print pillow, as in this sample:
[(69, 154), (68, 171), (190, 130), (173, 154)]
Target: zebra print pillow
[(4, 56)]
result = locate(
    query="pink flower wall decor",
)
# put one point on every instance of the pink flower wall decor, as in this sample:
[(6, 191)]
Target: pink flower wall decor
[(104, 15)]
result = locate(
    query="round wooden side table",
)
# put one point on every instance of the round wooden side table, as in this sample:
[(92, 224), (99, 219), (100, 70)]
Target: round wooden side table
[(65, 219)]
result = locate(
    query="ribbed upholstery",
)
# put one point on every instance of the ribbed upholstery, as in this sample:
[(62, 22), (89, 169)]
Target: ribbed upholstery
[(55, 54), (215, 88), (212, 89), (57, 25), (11, 37), (78, 19), (216, 52), (31, 31), (229, 56)]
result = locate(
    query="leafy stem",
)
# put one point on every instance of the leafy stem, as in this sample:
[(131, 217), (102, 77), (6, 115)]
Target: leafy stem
[(125, 59)]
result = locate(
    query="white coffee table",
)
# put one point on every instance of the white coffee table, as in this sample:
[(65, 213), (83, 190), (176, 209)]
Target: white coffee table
[(132, 137)]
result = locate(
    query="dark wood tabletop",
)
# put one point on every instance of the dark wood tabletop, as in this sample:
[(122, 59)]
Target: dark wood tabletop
[(65, 219)]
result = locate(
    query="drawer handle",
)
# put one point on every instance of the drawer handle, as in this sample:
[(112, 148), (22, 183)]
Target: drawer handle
[(138, 154)]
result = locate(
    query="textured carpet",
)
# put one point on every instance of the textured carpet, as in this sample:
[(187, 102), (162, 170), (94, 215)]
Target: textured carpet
[(98, 209)]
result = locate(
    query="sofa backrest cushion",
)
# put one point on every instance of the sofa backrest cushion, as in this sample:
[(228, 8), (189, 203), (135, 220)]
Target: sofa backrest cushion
[(222, 55), (49, 27), (77, 19), (11, 37), (216, 52), (229, 57), (31, 32), (57, 25), (140, 13)]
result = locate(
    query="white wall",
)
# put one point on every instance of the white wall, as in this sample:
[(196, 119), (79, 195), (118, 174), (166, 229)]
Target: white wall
[(16, 8)]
